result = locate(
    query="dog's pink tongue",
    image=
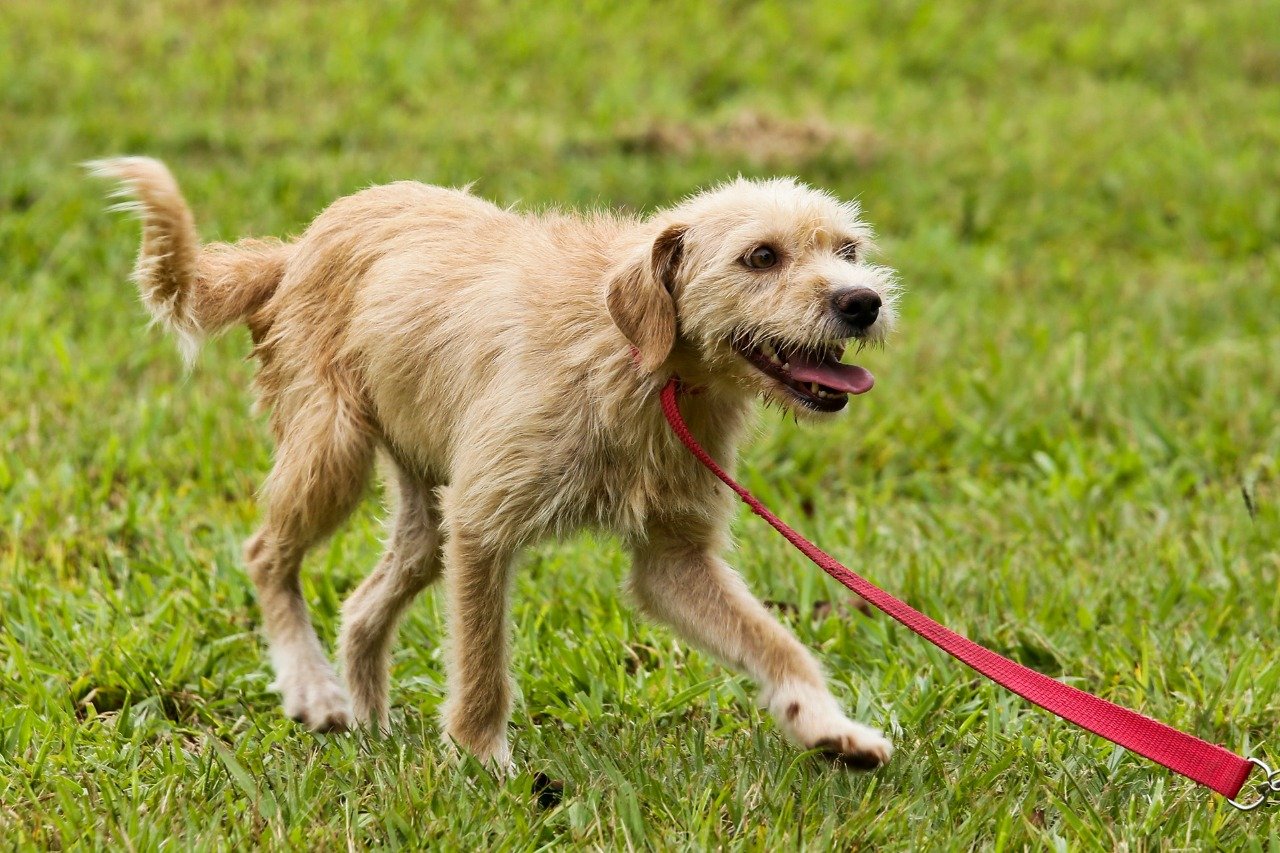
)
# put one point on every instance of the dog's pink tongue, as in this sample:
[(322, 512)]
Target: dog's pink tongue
[(848, 378)]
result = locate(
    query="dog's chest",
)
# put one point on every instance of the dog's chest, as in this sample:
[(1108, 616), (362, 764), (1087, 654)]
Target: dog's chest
[(622, 481)]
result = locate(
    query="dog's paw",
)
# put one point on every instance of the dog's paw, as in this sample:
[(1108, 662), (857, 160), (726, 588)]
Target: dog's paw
[(858, 747), (811, 719), (372, 716), (482, 736), (498, 760), (494, 753), (316, 700)]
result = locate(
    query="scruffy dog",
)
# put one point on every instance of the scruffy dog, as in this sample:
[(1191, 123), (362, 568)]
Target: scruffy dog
[(509, 367)]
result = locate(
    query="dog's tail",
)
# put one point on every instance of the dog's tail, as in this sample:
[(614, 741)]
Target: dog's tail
[(195, 291)]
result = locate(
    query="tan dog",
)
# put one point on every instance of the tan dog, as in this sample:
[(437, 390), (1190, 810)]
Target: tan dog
[(509, 367)]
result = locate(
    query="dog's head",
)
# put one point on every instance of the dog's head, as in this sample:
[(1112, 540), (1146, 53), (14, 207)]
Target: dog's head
[(764, 283)]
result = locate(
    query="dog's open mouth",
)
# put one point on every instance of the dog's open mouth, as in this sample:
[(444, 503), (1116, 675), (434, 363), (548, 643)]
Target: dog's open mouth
[(817, 380)]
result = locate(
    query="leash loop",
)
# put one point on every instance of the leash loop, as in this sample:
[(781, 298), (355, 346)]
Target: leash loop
[(1268, 789)]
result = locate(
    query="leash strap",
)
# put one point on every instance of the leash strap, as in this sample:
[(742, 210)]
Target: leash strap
[(1210, 765)]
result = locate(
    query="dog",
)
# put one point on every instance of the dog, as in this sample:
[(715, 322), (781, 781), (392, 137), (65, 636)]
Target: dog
[(508, 368)]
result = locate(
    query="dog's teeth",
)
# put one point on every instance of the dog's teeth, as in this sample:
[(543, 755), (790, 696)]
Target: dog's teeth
[(813, 386), (786, 365)]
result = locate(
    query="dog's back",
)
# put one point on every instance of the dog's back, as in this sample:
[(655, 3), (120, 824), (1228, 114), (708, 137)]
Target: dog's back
[(374, 267), (414, 284)]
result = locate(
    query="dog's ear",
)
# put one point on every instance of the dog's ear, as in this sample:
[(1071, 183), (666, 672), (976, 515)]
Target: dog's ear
[(640, 298)]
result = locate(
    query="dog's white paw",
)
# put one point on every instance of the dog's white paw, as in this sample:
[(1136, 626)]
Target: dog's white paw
[(316, 700), (497, 757), (494, 753), (856, 746), (811, 718), (375, 719)]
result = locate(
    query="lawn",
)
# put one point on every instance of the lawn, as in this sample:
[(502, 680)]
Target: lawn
[(1072, 453)]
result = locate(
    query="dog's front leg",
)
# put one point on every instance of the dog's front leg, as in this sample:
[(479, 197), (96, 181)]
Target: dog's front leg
[(478, 579), (687, 586)]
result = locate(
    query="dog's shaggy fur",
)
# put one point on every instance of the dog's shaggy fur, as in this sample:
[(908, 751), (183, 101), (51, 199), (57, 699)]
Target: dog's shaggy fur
[(508, 367)]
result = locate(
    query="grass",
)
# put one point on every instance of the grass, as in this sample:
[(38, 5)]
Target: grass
[(1071, 453)]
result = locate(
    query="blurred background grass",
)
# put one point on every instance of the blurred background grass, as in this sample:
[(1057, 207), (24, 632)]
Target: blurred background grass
[(1071, 452)]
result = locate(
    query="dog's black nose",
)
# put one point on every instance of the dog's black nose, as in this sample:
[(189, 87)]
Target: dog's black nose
[(858, 306)]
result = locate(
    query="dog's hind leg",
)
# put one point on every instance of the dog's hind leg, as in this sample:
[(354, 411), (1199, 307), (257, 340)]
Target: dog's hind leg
[(369, 617), (684, 584), (321, 469)]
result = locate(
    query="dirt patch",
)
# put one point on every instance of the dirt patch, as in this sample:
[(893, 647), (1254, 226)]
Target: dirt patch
[(1261, 63), (758, 138)]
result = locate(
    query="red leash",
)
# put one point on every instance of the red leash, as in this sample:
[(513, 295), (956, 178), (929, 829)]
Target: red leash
[(1201, 761)]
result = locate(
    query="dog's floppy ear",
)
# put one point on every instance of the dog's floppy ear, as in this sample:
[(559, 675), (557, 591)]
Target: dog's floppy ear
[(640, 301)]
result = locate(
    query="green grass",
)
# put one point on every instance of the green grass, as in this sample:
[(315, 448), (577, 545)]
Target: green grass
[(1071, 453)]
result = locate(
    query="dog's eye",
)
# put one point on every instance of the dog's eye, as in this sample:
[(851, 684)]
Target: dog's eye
[(848, 252), (760, 258)]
